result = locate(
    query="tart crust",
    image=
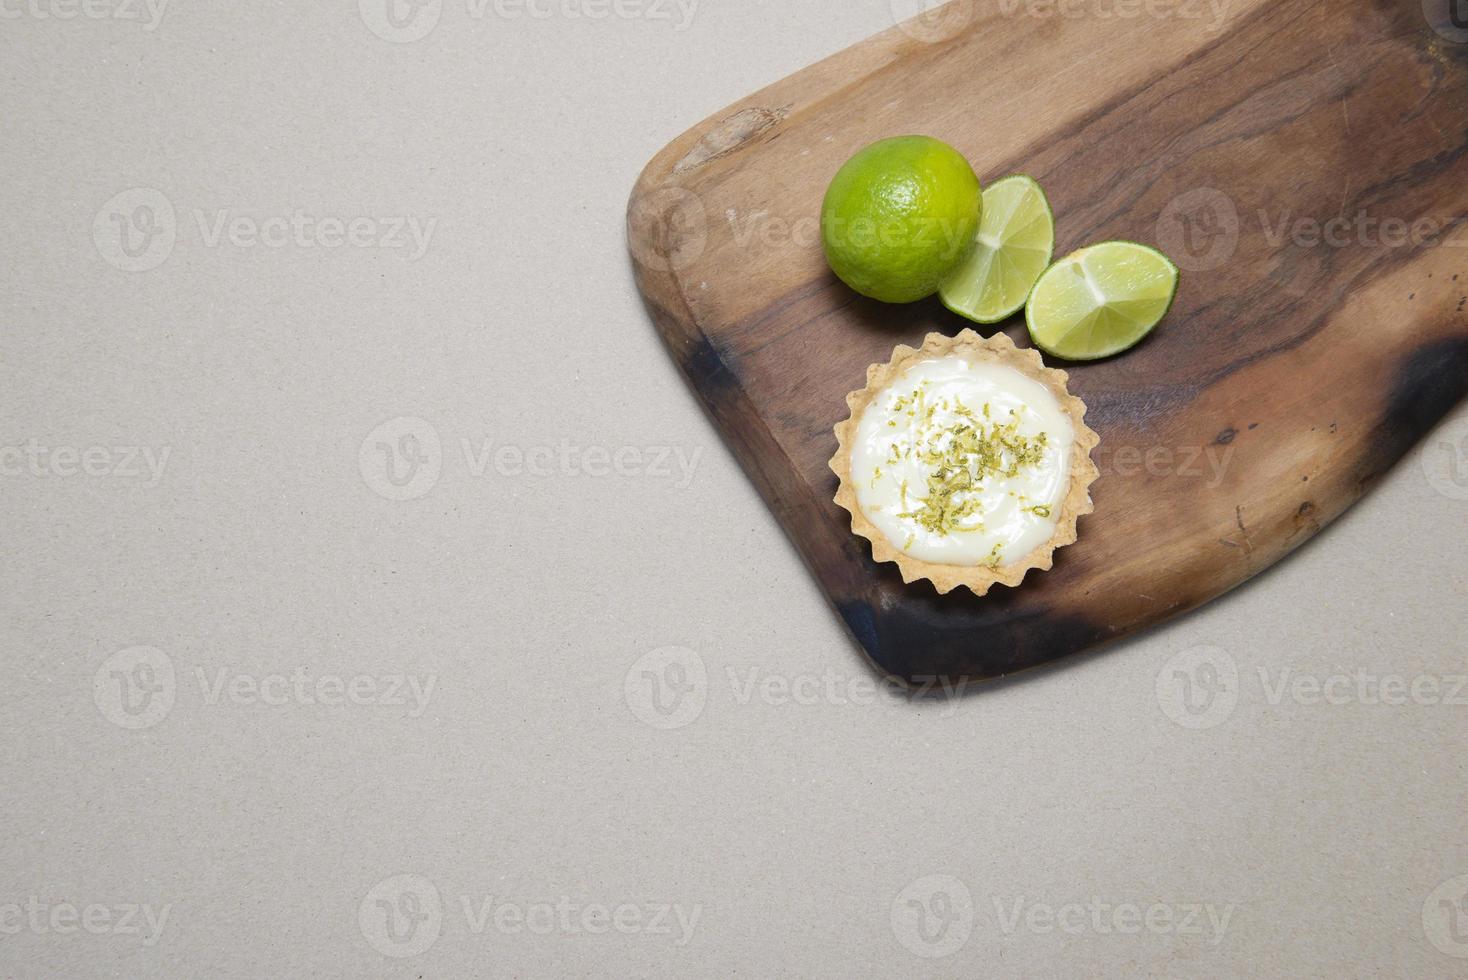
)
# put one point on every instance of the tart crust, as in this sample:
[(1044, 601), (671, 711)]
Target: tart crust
[(997, 349)]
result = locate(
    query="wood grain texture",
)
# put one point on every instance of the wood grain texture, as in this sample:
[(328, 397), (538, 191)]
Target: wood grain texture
[(1298, 364)]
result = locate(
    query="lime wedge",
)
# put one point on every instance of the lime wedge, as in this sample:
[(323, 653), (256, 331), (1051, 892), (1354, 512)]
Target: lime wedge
[(1015, 241), (1100, 300)]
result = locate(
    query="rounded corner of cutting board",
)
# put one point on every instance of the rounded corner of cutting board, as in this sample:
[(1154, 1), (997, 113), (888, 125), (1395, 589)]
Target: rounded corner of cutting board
[(740, 126)]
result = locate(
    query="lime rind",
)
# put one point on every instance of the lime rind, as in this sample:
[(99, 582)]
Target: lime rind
[(898, 216), (1014, 245), (1101, 300)]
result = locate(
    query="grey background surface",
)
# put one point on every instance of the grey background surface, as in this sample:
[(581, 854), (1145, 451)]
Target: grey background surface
[(640, 743)]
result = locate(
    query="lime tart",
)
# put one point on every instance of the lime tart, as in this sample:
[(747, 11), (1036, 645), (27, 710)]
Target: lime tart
[(965, 461)]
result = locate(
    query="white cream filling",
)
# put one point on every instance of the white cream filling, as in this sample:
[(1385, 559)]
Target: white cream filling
[(935, 414)]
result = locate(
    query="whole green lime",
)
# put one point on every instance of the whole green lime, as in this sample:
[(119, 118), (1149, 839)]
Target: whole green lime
[(899, 216)]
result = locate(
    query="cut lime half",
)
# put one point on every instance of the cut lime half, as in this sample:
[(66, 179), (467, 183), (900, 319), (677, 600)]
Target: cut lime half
[(1016, 239), (1100, 300)]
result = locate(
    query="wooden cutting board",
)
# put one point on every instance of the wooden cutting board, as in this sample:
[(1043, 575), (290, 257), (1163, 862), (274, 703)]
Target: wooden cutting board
[(1304, 164)]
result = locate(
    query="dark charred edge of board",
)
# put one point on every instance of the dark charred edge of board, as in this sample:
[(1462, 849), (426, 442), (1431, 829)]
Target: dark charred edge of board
[(706, 373), (933, 639), (716, 387), (1429, 382)]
